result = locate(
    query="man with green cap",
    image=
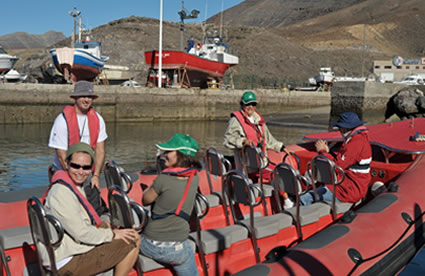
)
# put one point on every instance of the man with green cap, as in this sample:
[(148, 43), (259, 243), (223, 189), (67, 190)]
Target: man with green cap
[(247, 128)]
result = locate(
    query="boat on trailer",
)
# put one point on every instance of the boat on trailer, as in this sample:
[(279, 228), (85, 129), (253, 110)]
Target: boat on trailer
[(254, 235)]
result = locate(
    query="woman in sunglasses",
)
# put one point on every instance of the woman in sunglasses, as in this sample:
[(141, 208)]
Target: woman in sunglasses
[(89, 246), (247, 128)]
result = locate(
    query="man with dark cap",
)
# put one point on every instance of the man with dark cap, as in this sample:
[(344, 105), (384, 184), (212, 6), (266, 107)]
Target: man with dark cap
[(354, 157), (80, 123)]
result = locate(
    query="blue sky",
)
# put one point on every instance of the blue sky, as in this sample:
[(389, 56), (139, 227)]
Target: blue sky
[(40, 16)]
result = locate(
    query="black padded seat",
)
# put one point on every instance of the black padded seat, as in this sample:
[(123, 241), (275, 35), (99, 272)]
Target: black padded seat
[(270, 225), (214, 240), (16, 237), (149, 264)]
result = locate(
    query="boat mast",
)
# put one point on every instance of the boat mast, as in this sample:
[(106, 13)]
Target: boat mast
[(74, 14), (160, 45), (221, 20), (183, 15)]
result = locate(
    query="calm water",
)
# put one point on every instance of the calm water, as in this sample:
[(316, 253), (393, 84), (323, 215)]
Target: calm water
[(25, 156)]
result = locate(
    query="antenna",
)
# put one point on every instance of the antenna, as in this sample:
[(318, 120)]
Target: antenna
[(184, 15), (221, 19)]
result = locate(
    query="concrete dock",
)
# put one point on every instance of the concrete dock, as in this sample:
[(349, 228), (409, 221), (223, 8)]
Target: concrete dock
[(41, 103)]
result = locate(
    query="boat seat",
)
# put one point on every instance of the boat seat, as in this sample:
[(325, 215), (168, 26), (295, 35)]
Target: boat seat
[(16, 237), (308, 214), (115, 175), (215, 240), (324, 170), (213, 200), (270, 225)]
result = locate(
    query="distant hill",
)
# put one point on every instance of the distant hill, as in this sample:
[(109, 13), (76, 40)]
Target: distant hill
[(293, 39), (22, 40), (272, 13)]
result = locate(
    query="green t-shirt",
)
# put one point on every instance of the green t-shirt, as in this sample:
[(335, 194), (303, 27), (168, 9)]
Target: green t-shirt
[(170, 191)]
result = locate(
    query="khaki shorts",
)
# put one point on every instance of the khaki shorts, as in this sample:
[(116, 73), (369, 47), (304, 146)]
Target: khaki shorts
[(101, 258)]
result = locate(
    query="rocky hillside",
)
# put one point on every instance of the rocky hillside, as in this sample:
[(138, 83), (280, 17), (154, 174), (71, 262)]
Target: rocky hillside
[(23, 40), (285, 48)]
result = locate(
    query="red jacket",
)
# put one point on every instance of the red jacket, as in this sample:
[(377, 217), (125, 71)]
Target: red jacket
[(354, 158)]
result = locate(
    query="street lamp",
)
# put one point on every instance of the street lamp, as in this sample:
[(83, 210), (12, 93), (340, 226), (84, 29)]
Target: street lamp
[(183, 15), (74, 14)]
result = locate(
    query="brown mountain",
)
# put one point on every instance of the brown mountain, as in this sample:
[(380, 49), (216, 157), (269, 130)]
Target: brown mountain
[(22, 40), (287, 45)]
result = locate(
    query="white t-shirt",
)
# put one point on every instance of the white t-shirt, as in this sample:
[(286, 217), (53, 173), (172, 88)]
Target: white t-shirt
[(59, 133)]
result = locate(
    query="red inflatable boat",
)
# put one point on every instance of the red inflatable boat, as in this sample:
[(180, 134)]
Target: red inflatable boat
[(257, 237)]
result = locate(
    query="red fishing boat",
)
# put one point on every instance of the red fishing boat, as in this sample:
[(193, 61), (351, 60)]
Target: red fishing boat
[(254, 235), (194, 67)]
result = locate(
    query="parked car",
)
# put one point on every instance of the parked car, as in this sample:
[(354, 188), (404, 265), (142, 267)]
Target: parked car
[(131, 83)]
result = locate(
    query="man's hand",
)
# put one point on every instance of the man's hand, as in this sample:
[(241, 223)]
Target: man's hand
[(95, 181), (127, 235), (248, 142), (322, 146)]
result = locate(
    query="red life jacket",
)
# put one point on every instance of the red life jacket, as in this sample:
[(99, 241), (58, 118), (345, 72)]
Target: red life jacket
[(62, 177), (182, 172), (70, 116), (253, 132)]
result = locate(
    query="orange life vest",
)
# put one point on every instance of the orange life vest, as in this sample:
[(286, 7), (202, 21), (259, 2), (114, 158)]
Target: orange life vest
[(253, 132), (74, 131)]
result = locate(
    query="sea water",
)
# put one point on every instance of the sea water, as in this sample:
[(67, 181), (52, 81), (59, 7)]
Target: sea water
[(25, 155)]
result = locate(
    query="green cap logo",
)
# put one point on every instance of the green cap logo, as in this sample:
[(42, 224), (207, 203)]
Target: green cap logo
[(248, 97)]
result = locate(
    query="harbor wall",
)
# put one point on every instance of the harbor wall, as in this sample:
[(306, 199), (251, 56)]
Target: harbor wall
[(368, 99), (41, 103)]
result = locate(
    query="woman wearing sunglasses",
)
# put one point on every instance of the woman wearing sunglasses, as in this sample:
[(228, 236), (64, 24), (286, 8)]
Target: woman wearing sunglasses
[(172, 195), (89, 246)]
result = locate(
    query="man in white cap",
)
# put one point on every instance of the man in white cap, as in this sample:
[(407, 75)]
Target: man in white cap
[(80, 123)]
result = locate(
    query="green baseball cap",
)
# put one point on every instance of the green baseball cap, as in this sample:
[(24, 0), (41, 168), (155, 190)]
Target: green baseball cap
[(180, 142), (248, 97), (80, 147)]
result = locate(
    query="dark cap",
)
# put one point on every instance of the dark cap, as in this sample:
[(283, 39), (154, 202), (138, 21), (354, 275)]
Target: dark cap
[(348, 120), (83, 88)]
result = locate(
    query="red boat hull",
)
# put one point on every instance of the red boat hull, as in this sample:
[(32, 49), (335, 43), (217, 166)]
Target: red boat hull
[(198, 69)]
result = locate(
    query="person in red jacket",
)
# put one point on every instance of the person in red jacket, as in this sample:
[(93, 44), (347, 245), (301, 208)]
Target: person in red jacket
[(354, 157)]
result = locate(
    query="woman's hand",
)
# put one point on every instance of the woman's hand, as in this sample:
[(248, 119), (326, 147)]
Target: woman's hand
[(127, 235)]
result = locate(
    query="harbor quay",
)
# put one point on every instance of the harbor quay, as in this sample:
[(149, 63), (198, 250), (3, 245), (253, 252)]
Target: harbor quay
[(41, 103), (369, 99)]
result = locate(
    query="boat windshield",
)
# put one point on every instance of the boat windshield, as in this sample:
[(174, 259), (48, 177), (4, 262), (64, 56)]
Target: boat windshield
[(2, 51)]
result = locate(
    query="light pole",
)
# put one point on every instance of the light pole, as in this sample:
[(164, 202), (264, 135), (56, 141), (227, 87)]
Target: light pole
[(160, 45), (74, 14), (183, 15)]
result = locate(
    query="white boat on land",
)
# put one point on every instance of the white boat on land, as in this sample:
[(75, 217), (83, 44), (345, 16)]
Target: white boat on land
[(83, 62), (327, 77), (413, 79), (13, 76), (6, 61)]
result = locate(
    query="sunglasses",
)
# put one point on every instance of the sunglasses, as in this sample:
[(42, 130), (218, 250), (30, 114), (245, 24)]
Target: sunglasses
[(77, 166), (253, 104)]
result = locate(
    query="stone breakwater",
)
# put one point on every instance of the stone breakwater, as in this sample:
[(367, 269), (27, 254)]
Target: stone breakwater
[(41, 103)]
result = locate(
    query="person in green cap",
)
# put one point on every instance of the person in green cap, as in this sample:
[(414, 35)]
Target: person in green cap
[(247, 128), (165, 238), (89, 246)]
